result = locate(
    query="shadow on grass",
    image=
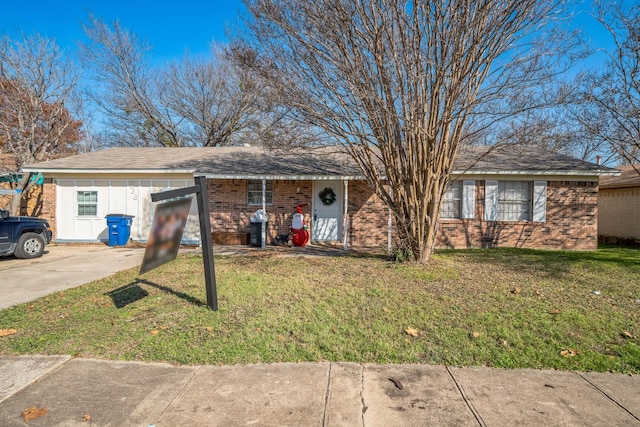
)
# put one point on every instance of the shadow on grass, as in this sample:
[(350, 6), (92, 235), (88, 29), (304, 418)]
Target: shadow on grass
[(132, 292), (125, 295)]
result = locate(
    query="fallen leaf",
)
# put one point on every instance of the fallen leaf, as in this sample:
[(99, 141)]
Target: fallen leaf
[(280, 337), (33, 413), (385, 309), (6, 332), (516, 291), (335, 331), (209, 328), (154, 332), (568, 353), (628, 334), (475, 334), (87, 417), (554, 311), (412, 332)]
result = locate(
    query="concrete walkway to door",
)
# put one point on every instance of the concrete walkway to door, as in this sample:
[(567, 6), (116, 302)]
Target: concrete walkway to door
[(61, 267)]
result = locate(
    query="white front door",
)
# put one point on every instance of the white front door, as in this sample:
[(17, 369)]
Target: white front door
[(327, 215)]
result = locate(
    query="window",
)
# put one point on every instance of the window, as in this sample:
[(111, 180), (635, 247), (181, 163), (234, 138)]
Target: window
[(452, 201), (254, 192), (514, 201), (87, 203), (459, 201)]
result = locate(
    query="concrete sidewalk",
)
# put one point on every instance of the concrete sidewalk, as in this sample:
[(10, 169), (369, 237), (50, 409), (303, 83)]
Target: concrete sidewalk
[(83, 392)]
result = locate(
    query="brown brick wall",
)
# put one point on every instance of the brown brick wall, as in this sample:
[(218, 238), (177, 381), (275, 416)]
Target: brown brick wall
[(571, 216), (230, 212), (49, 202), (571, 223), (619, 213), (368, 217)]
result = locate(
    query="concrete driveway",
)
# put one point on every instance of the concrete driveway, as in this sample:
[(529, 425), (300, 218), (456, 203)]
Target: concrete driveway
[(61, 267)]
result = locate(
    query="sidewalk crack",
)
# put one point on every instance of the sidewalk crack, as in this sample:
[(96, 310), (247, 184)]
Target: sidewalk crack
[(466, 399), (609, 397), (326, 396), (364, 406), (180, 393)]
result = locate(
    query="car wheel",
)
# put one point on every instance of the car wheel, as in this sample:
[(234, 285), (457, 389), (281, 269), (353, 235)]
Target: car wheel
[(30, 245)]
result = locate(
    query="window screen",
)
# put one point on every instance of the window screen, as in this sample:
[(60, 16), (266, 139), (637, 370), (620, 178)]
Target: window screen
[(514, 201), (452, 201)]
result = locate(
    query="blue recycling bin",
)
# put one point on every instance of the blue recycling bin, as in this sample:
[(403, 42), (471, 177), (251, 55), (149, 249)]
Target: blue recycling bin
[(119, 226)]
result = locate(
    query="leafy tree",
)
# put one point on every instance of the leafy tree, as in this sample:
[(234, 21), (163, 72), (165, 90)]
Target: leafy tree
[(36, 87), (403, 83)]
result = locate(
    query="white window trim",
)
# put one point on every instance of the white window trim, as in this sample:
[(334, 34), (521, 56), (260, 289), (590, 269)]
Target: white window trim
[(539, 213), (468, 199)]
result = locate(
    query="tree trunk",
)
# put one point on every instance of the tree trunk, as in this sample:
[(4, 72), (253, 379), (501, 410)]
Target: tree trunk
[(16, 200)]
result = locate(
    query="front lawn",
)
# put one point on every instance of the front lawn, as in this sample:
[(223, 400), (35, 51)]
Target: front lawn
[(504, 308)]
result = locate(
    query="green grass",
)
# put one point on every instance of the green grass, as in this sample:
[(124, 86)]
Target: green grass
[(504, 308)]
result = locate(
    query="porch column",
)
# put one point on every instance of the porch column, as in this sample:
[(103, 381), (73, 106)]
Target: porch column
[(264, 213), (345, 219)]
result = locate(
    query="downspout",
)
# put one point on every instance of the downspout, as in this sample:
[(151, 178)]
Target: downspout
[(345, 219), (264, 214)]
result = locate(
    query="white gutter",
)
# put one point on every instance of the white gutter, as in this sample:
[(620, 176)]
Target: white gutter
[(535, 172), (287, 177), (317, 177), (108, 171)]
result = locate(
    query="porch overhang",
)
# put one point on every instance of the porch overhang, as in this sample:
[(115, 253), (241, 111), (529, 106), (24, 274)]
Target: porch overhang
[(285, 177)]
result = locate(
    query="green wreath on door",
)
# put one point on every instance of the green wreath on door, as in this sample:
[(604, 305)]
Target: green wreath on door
[(327, 196)]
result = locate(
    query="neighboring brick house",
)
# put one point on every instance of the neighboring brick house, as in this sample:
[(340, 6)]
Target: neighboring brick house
[(517, 197), (619, 207)]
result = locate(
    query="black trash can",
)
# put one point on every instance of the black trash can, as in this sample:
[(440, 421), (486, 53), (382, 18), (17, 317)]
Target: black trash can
[(255, 233)]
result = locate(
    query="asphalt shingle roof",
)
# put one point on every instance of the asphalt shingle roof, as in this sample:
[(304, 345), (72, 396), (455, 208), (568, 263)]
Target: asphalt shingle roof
[(329, 161), (628, 178)]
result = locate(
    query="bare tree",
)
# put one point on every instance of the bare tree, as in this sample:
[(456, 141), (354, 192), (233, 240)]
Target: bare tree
[(610, 105), (37, 87), (192, 102), (554, 129), (401, 84), (128, 88)]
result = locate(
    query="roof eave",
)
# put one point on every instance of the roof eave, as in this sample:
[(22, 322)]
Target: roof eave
[(536, 172), (282, 177), (108, 171)]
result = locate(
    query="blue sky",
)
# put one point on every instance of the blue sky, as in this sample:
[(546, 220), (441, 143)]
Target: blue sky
[(171, 27)]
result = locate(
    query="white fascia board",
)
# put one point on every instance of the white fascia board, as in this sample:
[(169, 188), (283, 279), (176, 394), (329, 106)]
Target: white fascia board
[(285, 177), (107, 171), (536, 172)]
